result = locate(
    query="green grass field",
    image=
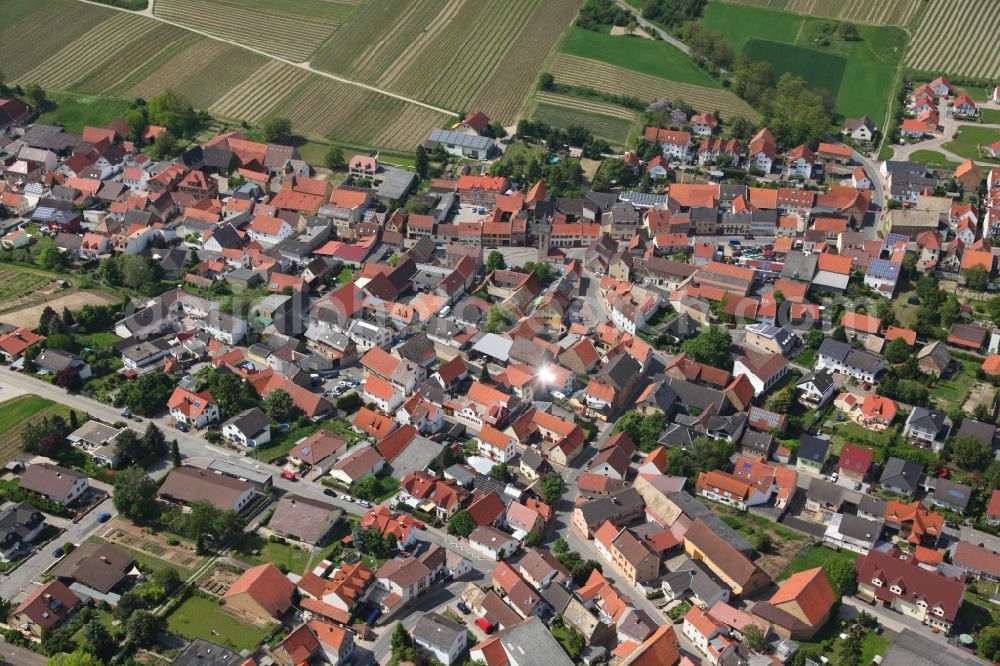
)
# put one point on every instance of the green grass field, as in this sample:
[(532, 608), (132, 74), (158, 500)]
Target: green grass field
[(858, 74), (198, 617), (863, 90), (76, 112), (16, 412), (990, 116), (656, 58), (741, 23), (820, 70), (968, 142), (933, 159)]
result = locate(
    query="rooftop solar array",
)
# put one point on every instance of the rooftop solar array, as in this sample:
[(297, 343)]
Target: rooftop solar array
[(460, 139)]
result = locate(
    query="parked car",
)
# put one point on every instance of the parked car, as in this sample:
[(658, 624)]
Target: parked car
[(365, 503), (104, 517), (180, 426), (463, 608), (280, 462), (419, 525), (288, 474), (329, 493), (58, 552)]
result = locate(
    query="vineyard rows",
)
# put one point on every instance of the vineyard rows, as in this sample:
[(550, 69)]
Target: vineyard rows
[(449, 72), (252, 99), (375, 37), (141, 49), (958, 37), (54, 24), (228, 69), (590, 106), (177, 69), (873, 12), (577, 71), (326, 107), (76, 58), (514, 78), (613, 129), (273, 30)]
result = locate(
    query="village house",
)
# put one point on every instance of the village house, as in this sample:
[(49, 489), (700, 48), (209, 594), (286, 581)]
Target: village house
[(893, 580), (262, 593)]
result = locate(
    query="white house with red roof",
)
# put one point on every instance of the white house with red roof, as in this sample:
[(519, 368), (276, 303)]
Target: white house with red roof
[(762, 152), (799, 162), (965, 106), (703, 124), (269, 230), (496, 445), (675, 145), (942, 87), (194, 409), (763, 370)]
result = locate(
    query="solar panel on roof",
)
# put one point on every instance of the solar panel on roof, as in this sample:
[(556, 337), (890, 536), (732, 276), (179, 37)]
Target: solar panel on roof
[(883, 268), (459, 139), (958, 494)]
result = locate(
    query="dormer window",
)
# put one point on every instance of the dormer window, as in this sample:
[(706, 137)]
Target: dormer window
[(922, 604), (938, 611), (895, 589), (877, 582)]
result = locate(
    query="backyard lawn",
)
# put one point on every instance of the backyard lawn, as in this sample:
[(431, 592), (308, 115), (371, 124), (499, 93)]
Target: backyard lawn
[(102, 339), (806, 358), (255, 549), (201, 618), (955, 391), (815, 556), (848, 432)]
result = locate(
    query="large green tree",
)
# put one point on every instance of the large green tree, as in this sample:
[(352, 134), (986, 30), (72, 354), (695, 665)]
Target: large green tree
[(841, 576), (134, 494), (279, 406), (461, 524), (552, 488), (711, 346), (170, 110), (278, 130), (147, 394), (969, 454)]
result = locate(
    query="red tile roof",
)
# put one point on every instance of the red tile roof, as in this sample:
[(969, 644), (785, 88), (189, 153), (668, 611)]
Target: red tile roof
[(810, 591), (267, 586), (857, 459)]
